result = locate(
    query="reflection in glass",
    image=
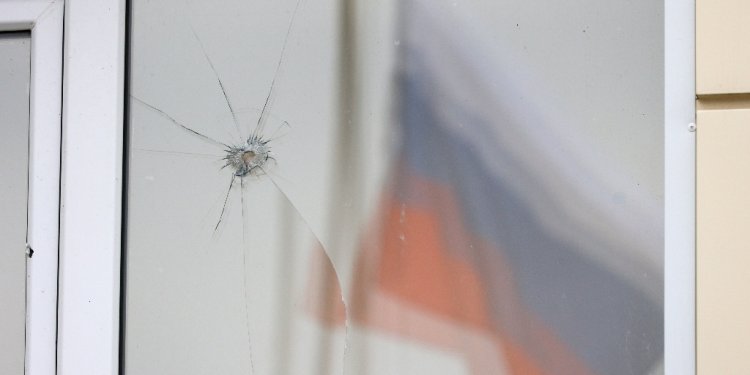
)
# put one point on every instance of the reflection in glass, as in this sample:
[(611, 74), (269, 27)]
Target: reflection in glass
[(481, 182), (520, 230)]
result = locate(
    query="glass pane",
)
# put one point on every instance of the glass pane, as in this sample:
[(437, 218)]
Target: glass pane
[(15, 72), (395, 187)]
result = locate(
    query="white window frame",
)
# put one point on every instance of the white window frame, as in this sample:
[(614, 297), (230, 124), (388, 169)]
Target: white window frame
[(44, 19), (679, 187), (91, 187), (91, 227)]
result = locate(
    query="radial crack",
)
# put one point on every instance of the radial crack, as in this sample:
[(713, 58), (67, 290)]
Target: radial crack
[(170, 118)]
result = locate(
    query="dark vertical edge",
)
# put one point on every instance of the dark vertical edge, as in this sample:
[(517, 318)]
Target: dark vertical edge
[(125, 180), (28, 188), (59, 186)]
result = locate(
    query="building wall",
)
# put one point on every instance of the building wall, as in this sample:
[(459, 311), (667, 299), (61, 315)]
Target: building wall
[(723, 113)]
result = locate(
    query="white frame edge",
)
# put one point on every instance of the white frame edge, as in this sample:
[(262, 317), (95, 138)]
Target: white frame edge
[(679, 187), (91, 191), (44, 19)]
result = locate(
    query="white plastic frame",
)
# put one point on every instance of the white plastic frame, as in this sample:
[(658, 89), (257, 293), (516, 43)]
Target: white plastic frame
[(91, 189), (679, 187), (44, 19)]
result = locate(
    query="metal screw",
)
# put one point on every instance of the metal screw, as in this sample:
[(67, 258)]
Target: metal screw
[(692, 127)]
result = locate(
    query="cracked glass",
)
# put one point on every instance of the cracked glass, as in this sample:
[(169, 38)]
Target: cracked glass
[(224, 274), (394, 187)]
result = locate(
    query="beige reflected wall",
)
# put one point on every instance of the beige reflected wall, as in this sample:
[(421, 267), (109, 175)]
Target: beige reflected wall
[(723, 177)]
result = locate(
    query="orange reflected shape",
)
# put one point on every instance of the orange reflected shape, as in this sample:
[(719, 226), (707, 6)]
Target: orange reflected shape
[(412, 259)]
